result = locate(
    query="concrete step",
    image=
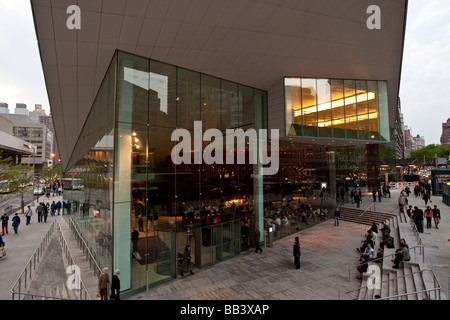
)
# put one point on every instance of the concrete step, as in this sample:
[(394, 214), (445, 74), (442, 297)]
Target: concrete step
[(418, 282), (410, 285)]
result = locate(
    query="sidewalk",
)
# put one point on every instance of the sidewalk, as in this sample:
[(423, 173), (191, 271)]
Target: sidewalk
[(20, 247)]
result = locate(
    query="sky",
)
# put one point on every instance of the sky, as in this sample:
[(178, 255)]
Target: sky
[(425, 78)]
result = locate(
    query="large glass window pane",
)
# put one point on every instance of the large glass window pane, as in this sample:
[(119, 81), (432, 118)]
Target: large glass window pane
[(210, 113), (351, 119), (372, 87), (338, 108), (133, 83), (162, 95), (383, 109), (188, 99), (230, 105), (324, 107), (293, 106), (247, 107), (309, 107), (362, 108)]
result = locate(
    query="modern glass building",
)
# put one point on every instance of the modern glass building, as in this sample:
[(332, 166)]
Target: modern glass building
[(145, 84)]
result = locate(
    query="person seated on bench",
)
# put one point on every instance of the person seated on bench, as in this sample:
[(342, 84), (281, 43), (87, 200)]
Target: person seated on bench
[(387, 240), (369, 253), (384, 228), (379, 257), (401, 254), (373, 228), (362, 267), (365, 242)]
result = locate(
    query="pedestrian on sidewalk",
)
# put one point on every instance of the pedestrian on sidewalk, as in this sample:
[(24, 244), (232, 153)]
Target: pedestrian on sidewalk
[(45, 212), (103, 282), (5, 219), (436, 216), (16, 222), (374, 194), (428, 216), (52, 209), (257, 236), (297, 253), (115, 286), (58, 207), (28, 214), (379, 195), (40, 211), (426, 197), (418, 218), (337, 216)]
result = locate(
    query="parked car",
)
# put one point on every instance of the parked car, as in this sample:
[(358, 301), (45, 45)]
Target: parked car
[(39, 191)]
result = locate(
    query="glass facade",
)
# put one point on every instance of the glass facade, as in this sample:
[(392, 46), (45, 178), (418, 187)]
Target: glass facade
[(334, 108), (139, 209), (150, 187)]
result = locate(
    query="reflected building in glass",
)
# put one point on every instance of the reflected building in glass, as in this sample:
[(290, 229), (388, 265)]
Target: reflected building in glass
[(130, 88)]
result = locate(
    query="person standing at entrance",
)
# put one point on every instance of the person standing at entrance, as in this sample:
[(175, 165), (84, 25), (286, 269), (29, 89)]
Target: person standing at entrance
[(187, 265), (115, 286), (337, 216), (103, 282), (297, 253), (257, 237)]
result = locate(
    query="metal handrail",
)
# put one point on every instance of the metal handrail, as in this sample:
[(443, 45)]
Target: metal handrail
[(70, 261), (87, 247), (373, 204), (31, 265), (436, 288)]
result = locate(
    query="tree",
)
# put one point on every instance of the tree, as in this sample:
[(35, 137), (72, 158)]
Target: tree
[(431, 150), (19, 176), (5, 166)]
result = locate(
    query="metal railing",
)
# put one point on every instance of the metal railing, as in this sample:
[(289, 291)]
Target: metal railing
[(82, 290), (367, 209), (20, 287), (436, 288), (86, 248)]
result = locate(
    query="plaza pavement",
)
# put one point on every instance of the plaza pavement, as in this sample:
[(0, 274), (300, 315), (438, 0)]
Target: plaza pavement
[(328, 262)]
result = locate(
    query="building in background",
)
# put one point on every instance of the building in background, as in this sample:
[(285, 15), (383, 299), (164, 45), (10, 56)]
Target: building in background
[(418, 143), (34, 133), (21, 109), (48, 122), (399, 133), (11, 146), (408, 141), (37, 113), (311, 70), (4, 108), (445, 136)]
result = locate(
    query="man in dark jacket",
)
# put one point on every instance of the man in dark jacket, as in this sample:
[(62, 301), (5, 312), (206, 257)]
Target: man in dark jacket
[(297, 253), (257, 237), (418, 218), (115, 286), (337, 215)]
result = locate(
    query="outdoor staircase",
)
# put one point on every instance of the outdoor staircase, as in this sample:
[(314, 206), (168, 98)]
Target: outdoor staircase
[(411, 279), (366, 217)]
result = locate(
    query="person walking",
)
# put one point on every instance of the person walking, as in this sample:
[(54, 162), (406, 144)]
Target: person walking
[(58, 207), (337, 216), (257, 237), (436, 216), (16, 222), (28, 214), (53, 209), (115, 286), (135, 239), (40, 211), (426, 197), (187, 265), (428, 216), (45, 213), (5, 219), (103, 282), (297, 253), (379, 195)]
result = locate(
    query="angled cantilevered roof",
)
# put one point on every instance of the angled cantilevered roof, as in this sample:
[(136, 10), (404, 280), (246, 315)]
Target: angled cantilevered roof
[(253, 42)]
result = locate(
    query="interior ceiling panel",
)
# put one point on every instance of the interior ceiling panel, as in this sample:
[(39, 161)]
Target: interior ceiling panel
[(331, 38)]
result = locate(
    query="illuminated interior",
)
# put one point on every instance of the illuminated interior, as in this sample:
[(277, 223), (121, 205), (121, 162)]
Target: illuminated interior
[(333, 108)]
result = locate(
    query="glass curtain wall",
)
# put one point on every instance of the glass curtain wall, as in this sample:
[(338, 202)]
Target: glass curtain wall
[(334, 108), (156, 207)]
